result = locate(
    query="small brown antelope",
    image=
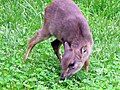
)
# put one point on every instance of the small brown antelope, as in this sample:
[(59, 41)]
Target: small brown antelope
[(65, 21)]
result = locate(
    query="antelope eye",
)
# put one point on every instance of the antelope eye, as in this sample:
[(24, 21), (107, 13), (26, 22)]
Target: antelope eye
[(84, 49), (71, 65)]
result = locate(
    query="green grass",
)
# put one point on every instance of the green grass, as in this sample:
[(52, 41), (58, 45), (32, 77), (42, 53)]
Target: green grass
[(20, 19)]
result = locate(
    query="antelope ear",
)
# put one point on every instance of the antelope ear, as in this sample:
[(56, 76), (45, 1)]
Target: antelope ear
[(67, 47)]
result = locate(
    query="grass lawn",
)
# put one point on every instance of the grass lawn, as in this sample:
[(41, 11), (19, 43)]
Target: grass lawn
[(20, 19)]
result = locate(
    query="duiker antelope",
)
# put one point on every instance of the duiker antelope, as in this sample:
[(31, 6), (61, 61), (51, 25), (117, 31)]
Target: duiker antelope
[(65, 21)]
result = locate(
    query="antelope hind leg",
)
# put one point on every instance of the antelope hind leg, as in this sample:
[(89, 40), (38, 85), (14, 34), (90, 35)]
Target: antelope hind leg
[(40, 36)]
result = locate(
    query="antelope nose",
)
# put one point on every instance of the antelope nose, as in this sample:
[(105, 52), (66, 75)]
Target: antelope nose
[(62, 77)]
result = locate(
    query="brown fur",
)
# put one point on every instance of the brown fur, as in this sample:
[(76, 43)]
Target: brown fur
[(65, 21)]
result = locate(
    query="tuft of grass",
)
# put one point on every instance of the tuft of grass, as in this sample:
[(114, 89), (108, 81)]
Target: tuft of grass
[(20, 19)]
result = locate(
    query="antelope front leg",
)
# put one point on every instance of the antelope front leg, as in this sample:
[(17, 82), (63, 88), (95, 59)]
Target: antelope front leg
[(56, 46), (86, 65), (40, 36)]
